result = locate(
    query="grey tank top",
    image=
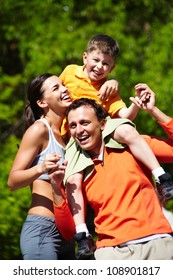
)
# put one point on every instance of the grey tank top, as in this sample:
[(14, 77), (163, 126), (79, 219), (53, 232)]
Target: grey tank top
[(53, 146)]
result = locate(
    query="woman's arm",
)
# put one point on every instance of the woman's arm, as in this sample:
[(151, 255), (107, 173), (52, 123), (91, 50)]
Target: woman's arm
[(33, 141)]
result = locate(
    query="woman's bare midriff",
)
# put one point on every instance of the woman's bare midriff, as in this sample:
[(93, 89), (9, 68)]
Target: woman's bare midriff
[(42, 199)]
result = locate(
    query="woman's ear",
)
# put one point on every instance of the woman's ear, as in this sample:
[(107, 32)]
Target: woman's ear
[(42, 103)]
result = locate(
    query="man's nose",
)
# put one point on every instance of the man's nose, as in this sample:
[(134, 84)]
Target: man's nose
[(79, 129)]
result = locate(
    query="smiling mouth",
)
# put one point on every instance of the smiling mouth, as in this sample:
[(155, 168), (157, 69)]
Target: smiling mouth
[(82, 138), (66, 97), (97, 73)]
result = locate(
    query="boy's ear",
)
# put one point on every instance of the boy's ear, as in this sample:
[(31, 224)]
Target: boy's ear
[(84, 57), (113, 66), (42, 103)]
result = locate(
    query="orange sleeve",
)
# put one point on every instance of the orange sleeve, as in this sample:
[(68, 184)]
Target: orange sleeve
[(162, 147), (168, 128), (64, 220)]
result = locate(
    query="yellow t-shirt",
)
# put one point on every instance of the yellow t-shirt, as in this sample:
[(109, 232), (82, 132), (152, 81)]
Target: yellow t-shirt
[(79, 86)]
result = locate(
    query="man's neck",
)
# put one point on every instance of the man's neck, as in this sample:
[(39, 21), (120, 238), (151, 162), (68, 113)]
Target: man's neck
[(97, 155)]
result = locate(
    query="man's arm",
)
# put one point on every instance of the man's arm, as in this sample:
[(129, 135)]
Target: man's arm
[(146, 100), (63, 217), (162, 148)]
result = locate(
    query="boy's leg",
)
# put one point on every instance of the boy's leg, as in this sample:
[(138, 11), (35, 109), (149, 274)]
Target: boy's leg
[(77, 206), (127, 134)]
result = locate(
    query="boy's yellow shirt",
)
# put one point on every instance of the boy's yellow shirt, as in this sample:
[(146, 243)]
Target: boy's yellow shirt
[(79, 86)]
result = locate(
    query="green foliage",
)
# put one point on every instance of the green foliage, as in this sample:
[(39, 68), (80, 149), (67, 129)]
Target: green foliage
[(13, 205), (45, 36)]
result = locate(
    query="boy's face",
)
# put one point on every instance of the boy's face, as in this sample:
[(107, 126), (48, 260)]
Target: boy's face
[(97, 65), (86, 129)]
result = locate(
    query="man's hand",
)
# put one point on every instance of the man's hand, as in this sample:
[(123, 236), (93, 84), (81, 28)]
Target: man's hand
[(56, 177), (145, 97)]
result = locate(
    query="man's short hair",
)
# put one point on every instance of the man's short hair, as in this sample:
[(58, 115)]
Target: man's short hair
[(99, 111)]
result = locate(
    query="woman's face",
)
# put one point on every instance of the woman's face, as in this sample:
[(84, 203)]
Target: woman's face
[(56, 95)]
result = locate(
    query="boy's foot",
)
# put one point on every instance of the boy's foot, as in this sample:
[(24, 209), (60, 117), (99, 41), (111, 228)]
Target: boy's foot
[(165, 187), (86, 246)]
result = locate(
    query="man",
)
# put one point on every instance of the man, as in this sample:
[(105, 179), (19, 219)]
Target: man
[(128, 216)]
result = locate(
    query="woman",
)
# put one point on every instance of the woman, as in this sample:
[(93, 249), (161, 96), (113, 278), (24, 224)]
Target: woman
[(41, 151)]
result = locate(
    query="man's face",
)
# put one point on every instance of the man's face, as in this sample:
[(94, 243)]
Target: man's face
[(86, 129)]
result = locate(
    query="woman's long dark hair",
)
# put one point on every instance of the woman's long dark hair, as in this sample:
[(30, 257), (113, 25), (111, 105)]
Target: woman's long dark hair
[(34, 93)]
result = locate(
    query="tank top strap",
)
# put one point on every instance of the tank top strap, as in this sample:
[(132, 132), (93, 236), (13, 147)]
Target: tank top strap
[(45, 122), (52, 138)]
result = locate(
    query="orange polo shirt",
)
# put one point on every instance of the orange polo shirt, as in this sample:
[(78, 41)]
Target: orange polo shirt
[(124, 200), (121, 193), (79, 86)]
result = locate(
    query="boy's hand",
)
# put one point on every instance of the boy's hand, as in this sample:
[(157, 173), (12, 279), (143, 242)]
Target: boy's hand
[(108, 90)]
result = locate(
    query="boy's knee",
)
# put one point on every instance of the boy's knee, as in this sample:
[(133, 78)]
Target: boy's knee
[(125, 132)]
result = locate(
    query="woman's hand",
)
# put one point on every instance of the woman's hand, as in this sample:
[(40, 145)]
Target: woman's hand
[(50, 163)]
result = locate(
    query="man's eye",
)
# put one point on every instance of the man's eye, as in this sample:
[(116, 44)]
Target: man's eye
[(72, 126), (85, 123)]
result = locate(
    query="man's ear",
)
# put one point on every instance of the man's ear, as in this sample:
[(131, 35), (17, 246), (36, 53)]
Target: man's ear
[(42, 103), (102, 123)]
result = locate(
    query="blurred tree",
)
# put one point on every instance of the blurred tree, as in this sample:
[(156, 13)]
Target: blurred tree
[(44, 36)]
